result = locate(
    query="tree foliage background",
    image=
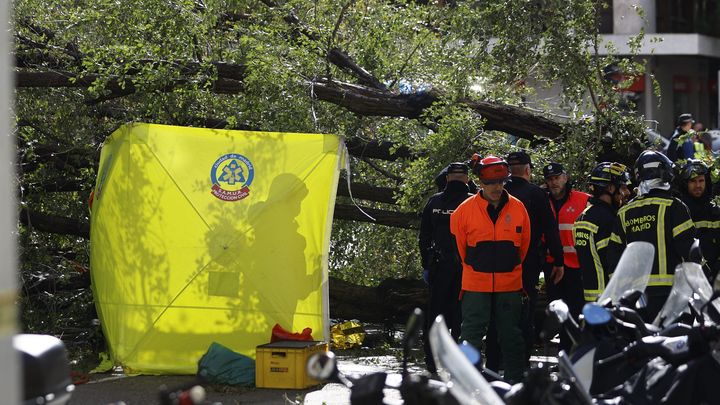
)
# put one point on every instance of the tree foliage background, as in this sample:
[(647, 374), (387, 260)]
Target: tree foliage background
[(422, 77)]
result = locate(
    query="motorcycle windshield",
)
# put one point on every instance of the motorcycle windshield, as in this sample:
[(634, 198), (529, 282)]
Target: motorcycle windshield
[(689, 285), (632, 272), (695, 277), (677, 302), (467, 384)]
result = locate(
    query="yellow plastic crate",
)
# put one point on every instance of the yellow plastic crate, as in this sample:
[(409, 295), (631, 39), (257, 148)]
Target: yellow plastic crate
[(282, 364)]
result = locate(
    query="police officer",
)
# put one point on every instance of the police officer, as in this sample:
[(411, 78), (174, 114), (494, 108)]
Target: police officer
[(440, 260), (609, 185), (542, 225), (441, 178), (492, 232), (682, 145), (654, 216), (696, 192), (567, 204)]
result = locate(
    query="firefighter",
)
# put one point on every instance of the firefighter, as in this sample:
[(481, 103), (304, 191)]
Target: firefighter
[(696, 192), (440, 260), (609, 183), (654, 216), (492, 232), (567, 204)]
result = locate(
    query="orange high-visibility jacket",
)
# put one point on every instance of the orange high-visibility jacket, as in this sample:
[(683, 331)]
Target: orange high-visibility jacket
[(570, 210), (492, 254)]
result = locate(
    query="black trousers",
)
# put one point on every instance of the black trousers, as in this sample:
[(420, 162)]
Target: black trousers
[(570, 290), (444, 289)]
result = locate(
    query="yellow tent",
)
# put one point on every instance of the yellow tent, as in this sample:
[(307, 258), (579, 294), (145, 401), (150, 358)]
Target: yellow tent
[(203, 235)]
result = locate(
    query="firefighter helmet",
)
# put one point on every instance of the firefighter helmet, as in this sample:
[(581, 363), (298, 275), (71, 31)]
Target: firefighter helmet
[(654, 165), (607, 173)]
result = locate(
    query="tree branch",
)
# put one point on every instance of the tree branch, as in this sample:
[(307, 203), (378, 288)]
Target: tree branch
[(367, 192), (342, 60), (381, 170), (60, 185), (362, 100), (57, 224), (382, 150), (42, 222), (395, 219)]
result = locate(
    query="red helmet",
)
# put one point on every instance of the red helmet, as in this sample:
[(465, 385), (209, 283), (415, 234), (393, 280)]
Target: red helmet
[(493, 169)]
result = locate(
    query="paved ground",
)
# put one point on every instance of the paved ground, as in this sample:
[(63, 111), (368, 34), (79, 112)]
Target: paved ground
[(143, 390)]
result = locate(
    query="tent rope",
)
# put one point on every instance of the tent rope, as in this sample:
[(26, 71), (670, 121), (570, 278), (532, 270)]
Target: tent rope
[(347, 177)]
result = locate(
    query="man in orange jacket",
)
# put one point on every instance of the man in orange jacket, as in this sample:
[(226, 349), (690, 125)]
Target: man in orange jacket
[(492, 231)]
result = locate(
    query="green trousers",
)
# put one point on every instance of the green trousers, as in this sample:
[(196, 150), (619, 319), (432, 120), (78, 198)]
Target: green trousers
[(477, 307)]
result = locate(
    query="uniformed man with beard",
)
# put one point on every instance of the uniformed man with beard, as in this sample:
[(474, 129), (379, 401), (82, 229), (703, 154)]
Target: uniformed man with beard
[(696, 192), (567, 204)]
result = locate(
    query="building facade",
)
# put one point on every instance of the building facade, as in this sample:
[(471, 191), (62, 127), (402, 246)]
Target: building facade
[(681, 48)]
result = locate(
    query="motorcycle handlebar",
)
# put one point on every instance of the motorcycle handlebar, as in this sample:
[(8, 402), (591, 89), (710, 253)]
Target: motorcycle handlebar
[(698, 338)]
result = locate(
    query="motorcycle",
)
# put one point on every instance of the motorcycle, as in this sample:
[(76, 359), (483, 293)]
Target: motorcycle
[(46, 375), (415, 389)]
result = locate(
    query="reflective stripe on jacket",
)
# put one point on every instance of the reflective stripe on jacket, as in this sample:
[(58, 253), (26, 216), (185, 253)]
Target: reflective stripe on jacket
[(570, 210), (660, 219), (492, 253), (592, 235)]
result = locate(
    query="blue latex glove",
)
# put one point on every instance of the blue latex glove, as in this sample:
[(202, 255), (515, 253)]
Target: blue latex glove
[(426, 276)]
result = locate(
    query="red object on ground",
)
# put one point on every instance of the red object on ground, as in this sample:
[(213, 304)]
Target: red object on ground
[(279, 333), (78, 377)]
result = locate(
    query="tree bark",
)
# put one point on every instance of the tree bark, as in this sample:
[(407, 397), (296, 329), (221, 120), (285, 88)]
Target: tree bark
[(395, 219), (372, 102), (61, 225), (392, 301), (362, 100), (54, 223), (366, 192), (382, 150)]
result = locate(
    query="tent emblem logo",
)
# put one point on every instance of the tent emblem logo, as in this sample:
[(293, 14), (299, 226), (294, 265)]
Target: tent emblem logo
[(231, 176)]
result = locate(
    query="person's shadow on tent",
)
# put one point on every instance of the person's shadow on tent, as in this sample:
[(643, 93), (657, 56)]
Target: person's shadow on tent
[(279, 268)]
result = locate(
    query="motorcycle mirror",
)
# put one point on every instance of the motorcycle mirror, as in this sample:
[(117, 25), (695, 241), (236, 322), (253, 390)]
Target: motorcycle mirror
[(595, 314), (322, 366), (472, 354), (634, 299), (412, 331), (559, 310), (630, 298), (558, 313)]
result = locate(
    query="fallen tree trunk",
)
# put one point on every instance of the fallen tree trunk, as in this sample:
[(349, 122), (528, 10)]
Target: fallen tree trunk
[(391, 301), (61, 225)]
